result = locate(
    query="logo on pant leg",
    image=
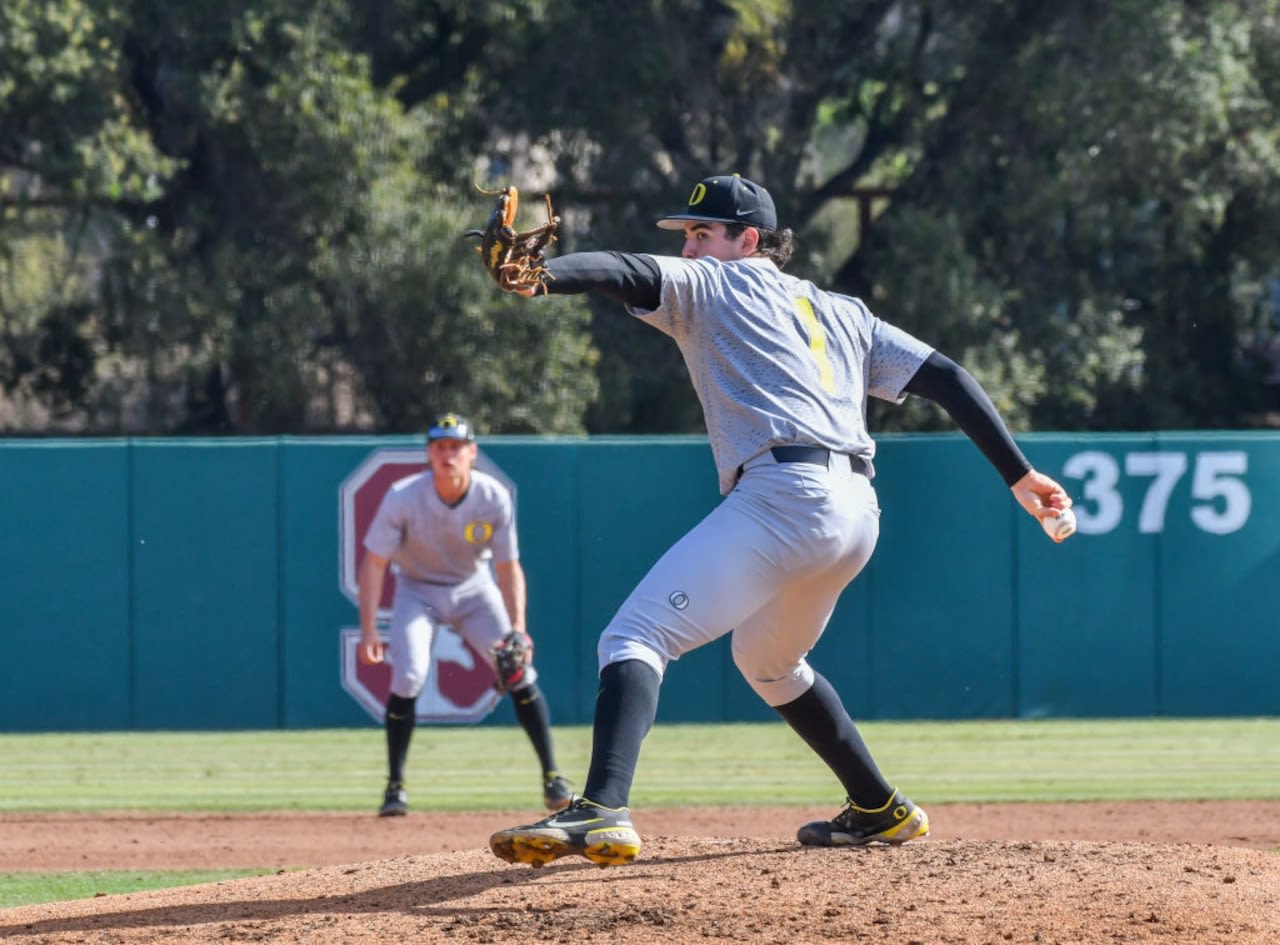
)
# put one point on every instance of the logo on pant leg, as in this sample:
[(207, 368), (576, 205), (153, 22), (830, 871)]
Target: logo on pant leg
[(679, 600)]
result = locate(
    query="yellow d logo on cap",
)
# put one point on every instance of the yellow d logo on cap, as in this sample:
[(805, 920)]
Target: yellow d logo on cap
[(699, 194)]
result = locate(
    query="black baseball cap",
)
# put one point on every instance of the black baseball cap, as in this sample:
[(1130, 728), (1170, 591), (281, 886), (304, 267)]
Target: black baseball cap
[(451, 426), (726, 199)]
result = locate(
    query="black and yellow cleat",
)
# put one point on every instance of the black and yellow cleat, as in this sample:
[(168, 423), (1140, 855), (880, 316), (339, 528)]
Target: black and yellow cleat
[(395, 800), (557, 792), (898, 821), (603, 835)]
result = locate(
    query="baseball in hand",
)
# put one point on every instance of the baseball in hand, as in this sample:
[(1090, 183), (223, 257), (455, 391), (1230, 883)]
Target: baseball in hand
[(1061, 526)]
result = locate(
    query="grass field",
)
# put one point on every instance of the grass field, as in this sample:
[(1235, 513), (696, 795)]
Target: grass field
[(21, 889), (455, 768)]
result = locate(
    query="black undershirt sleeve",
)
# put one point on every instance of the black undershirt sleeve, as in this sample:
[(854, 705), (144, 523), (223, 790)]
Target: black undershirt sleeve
[(954, 389), (629, 278)]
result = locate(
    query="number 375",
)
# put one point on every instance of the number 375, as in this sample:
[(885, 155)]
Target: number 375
[(1221, 501)]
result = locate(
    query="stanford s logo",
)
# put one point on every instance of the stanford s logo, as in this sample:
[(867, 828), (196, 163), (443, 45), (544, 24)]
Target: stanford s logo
[(460, 685)]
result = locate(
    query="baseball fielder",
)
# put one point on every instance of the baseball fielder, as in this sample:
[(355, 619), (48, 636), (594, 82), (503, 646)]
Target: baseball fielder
[(782, 370), (440, 529)]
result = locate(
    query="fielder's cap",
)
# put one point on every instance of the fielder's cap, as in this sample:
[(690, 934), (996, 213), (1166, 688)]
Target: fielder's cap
[(726, 199), (451, 426)]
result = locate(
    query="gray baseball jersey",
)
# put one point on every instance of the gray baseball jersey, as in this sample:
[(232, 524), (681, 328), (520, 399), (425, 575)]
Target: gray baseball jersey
[(440, 553), (775, 360), (436, 543)]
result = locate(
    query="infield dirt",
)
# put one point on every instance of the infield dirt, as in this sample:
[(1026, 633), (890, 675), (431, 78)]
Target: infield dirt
[(1074, 874)]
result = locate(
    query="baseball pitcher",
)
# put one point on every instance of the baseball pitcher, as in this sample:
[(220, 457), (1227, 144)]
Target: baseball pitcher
[(783, 370)]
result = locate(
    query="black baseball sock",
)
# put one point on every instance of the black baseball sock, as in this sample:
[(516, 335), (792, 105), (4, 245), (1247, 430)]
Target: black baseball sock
[(400, 719), (626, 706), (819, 717), (535, 719)]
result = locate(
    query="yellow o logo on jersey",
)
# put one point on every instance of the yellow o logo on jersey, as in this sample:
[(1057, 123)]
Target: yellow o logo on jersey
[(477, 533), (699, 194)]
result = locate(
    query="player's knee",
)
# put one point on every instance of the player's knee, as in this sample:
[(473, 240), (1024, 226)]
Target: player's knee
[(409, 685), (776, 688), (618, 648)]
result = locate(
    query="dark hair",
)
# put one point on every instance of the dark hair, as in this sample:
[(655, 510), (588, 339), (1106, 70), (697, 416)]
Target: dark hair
[(776, 244)]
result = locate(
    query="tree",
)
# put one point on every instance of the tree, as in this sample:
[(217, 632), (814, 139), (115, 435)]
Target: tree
[(69, 151), (248, 215), (1084, 234), (282, 189)]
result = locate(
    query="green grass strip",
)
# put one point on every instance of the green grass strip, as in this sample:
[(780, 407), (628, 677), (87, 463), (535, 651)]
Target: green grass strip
[(490, 767), (23, 889)]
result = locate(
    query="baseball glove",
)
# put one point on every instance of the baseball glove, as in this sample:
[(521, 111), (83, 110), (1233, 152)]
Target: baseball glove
[(513, 655), (514, 260)]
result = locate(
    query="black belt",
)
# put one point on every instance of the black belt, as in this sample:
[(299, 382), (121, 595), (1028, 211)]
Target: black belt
[(817, 455)]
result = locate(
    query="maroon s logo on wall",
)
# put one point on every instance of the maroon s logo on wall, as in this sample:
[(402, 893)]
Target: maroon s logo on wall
[(460, 687)]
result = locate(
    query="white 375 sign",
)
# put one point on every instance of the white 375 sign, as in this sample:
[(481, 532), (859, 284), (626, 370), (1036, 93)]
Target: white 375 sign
[(1220, 497)]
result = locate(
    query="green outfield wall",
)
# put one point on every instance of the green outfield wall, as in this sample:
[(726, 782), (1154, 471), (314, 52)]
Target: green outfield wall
[(204, 584)]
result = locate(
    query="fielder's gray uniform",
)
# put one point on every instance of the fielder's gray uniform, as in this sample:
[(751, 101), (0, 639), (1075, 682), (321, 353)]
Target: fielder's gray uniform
[(441, 556), (775, 361)]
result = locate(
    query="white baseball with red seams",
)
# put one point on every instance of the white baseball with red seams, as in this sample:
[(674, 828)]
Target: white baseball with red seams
[(1060, 527)]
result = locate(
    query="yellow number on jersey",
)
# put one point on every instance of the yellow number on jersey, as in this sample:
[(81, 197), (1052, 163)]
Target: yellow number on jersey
[(817, 344)]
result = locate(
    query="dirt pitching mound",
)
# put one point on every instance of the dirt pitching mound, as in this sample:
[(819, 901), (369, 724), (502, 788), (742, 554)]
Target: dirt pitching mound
[(698, 890), (1075, 874)]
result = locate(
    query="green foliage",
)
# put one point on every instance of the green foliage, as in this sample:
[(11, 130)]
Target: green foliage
[(43, 308), (270, 277), (245, 216), (72, 130), (1105, 224), (516, 366)]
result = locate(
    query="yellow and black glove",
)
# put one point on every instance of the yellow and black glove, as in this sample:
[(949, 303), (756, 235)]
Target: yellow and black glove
[(514, 260)]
